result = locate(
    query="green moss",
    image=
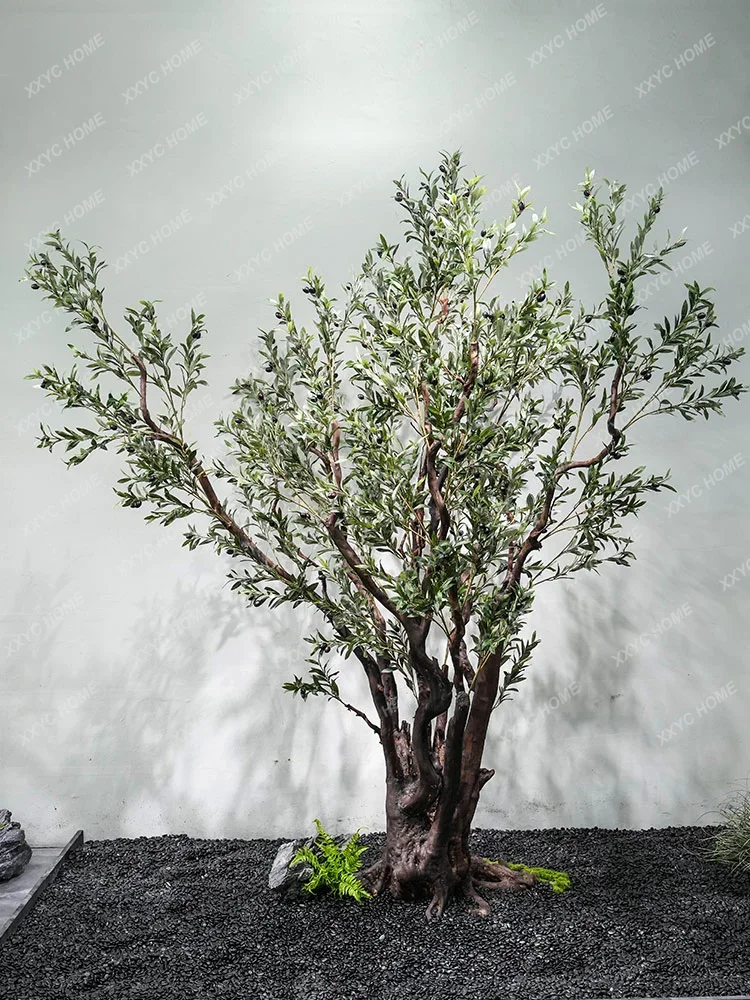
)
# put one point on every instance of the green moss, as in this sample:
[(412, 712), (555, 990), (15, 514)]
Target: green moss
[(559, 881)]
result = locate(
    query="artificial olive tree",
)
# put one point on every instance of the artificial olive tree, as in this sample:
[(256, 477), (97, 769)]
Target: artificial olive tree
[(412, 465)]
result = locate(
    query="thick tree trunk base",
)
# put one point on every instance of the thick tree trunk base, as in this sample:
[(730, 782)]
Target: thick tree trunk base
[(410, 881)]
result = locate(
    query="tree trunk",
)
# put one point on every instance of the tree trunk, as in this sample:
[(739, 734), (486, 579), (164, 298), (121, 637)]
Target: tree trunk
[(426, 853), (433, 781)]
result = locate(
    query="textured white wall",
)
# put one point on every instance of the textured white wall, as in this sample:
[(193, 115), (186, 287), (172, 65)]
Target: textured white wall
[(137, 694)]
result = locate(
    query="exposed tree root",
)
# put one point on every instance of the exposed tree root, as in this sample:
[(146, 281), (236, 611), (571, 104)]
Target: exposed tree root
[(468, 889), (437, 904), (482, 875), (375, 877), (499, 876)]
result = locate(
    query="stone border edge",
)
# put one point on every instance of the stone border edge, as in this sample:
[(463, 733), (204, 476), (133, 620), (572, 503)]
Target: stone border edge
[(26, 906)]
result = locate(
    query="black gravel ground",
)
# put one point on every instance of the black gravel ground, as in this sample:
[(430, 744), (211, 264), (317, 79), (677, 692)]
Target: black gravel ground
[(175, 917)]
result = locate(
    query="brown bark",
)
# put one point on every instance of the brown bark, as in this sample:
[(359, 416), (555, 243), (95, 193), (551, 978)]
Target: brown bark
[(426, 853)]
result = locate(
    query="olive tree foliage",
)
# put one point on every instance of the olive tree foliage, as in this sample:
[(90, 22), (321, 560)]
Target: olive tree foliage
[(397, 465)]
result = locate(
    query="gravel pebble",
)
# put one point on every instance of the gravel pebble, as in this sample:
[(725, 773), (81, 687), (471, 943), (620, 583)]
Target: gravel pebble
[(177, 917)]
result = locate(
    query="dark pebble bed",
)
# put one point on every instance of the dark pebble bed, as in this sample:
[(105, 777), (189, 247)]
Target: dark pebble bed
[(173, 917)]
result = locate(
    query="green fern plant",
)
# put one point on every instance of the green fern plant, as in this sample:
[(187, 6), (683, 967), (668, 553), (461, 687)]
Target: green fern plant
[(333, 867)]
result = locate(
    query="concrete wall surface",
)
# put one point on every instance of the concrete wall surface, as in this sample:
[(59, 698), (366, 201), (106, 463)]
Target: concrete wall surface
[(215, 151)]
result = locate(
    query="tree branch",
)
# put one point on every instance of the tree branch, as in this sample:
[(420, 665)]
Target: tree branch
[(335, 441), (429, 781), (469, 382), (451, 773), (362, 715), (196, 467), (342, 544), (532, 541), (440, 516)]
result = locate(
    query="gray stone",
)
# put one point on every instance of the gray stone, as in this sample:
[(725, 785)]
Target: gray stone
[(290, 882), (15, 853)]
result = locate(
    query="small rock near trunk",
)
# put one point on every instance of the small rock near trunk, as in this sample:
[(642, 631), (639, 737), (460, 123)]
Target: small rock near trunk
[(290, 882), (15, 853)]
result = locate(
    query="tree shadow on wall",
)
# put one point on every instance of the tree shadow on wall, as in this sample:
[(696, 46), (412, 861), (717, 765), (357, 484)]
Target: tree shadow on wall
[(591, 739), (197, 735), (35, 619), (571, 686)]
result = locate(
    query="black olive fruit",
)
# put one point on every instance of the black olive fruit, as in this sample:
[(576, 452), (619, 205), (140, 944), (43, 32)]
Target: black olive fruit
[(399, 196), (279, 315), (587, 192), (589, 318), (136, 503), (541, 296), (656, 209), (521, 206), (34, 285)]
